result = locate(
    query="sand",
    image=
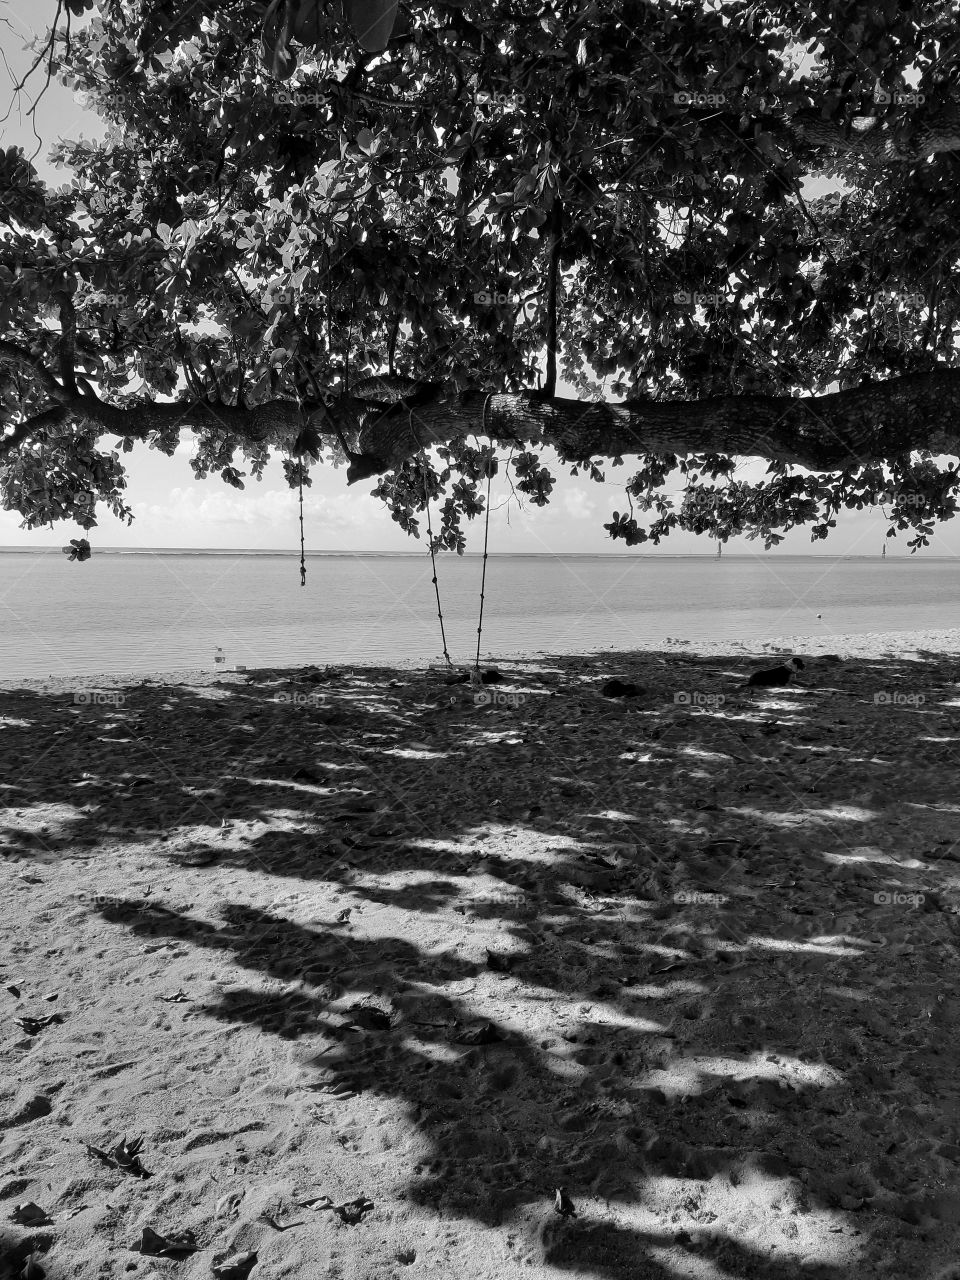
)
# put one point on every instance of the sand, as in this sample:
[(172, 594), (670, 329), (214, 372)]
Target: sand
[(314, 973)]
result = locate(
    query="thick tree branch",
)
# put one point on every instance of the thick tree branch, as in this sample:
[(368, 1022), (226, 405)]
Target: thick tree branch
[(874, 422), (68, 342), (11, 353), (212, 373), (276, 420), (882, 141), (879, 140), (869, 423), (189, 371), (553, 277), (38, 425)]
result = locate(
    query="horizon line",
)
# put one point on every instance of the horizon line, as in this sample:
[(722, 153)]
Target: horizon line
[(585, 555)]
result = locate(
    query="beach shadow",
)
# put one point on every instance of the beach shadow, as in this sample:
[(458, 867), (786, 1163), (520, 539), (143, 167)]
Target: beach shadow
[(15, 1251), (602, 1131), (689, 888)]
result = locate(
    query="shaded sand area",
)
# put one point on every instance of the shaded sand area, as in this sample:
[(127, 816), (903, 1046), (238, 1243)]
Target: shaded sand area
[(315, 973)]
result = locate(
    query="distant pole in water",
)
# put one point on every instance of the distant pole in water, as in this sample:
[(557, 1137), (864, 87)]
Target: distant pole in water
[(884, 556), (720, 549)]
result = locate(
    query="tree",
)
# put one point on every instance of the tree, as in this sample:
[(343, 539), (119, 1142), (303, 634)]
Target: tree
[(371, 258)]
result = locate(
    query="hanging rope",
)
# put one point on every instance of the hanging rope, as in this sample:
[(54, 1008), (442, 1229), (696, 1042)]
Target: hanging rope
[(483, 576), (489, 468), (307, 441), (303, 553), (433, 558), (486, 535)]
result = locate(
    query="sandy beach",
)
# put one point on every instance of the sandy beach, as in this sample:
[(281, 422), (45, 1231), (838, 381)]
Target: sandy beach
[(344, 972)]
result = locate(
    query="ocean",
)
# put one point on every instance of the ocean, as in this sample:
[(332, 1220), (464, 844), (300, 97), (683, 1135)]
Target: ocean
[(142, 611)]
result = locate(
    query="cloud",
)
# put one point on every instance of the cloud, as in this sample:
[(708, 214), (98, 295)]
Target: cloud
[(577, 505), (268, 509)]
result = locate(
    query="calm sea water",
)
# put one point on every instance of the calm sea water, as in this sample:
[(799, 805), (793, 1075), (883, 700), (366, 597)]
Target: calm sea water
[(143, 611)]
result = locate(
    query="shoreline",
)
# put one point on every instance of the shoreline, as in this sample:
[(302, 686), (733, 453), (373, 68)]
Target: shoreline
[(476, 555), (904, 645)]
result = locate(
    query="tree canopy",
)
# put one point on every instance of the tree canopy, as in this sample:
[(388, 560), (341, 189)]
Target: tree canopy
[(301, 237)]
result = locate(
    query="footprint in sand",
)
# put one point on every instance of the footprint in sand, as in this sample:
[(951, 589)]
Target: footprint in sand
[(32, 1107)]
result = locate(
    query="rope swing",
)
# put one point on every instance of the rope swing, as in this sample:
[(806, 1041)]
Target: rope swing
[(303, 553), (433, 557), (490, 470), (490, 466)]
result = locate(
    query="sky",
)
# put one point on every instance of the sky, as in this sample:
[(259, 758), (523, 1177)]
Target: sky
[(173, 509)]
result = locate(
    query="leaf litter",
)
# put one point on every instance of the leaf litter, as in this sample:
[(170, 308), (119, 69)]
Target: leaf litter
[(124, 1156)]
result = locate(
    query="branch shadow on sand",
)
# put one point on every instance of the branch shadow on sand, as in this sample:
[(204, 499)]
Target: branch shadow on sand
[(679, 954)]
